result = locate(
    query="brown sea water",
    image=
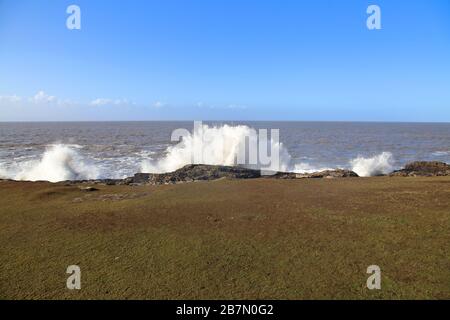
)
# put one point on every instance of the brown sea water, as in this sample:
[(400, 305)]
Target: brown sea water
[(87, 150)]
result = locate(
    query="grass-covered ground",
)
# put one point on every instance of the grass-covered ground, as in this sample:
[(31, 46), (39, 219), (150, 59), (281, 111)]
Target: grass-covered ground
[(287, 239)]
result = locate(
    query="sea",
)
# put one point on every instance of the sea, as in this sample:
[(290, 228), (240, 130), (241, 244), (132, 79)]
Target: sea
[(58, 151)]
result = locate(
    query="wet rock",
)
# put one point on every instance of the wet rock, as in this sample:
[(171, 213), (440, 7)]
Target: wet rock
[(423, 168)]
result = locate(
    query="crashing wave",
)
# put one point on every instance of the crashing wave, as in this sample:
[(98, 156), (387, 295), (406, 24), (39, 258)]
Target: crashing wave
[(58, 163), (223, 146), (377, 165)]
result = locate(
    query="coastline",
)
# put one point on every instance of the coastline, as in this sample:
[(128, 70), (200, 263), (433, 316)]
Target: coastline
[(203, 172)]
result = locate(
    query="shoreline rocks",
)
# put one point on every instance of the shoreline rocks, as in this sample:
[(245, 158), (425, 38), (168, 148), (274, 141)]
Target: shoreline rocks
[(202, 172), (329, 174), (423, 169), (195, 172)]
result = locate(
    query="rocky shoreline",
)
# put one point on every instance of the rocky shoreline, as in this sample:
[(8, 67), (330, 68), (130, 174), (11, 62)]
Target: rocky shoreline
[(423, 169), (201, 172)]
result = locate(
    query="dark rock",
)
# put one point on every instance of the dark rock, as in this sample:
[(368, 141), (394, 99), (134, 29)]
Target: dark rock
[(423, 168), (201, 172), (338, 173), (140, 178), (283, 175), (196, 172), (89, 189)]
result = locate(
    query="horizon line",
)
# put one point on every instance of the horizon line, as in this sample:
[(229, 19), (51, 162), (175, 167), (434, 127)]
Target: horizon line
[(224, 120)]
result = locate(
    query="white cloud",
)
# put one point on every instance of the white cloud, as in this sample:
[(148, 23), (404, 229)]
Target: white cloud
[(115, 102), (229, 106), (204, 105), (159, 104), (42, 97), (100, 102)]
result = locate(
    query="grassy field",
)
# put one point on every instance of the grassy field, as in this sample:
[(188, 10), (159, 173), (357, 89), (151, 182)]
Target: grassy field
[(247, 239)]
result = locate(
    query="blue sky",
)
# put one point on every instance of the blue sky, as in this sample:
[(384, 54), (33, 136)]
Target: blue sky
[(225, 60)]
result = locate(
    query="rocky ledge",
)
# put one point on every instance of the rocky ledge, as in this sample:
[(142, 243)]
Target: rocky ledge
[(201, 172), (195, 172), (424, 169)]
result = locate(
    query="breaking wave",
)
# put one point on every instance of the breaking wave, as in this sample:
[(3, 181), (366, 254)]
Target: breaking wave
[(58, 163), (224, 144), (441, 153), (377, 165), (217, 145), (304, 167)]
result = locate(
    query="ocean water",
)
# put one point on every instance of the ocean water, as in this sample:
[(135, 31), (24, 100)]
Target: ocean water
[(92, 150)]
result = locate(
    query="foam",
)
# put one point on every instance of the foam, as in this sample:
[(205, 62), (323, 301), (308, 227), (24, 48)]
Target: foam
[(376, 165), (58, 163), (221, 147), (62, 162)]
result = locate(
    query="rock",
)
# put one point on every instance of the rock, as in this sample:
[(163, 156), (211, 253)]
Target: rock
[(338, 173), (140, 178), (202, 172), (423, 168), (88, 189), (282, 175), (196, 172)]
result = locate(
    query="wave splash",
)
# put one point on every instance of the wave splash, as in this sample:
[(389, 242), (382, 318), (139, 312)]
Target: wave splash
[(222, 146), (377, 165), (58, 163), (62, 162)]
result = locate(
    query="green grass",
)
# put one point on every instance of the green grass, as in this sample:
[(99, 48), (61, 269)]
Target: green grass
[(247, 239)]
